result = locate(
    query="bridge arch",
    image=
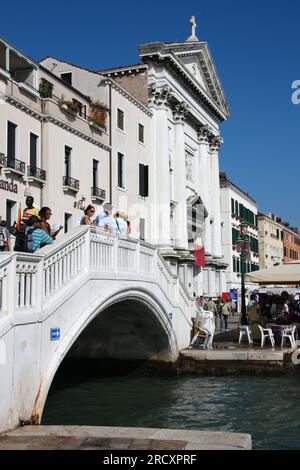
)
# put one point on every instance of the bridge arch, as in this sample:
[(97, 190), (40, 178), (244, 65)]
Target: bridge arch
[(134, 324)]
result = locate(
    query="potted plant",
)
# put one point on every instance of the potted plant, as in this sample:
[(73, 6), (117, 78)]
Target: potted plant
[(69, 105), (45, 89), (98, 114)]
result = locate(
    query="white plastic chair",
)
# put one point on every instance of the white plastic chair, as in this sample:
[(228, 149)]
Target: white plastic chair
[(289, 333), (245, 331), (266, 333)]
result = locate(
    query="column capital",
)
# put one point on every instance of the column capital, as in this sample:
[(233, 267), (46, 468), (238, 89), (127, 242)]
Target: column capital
[(204, 134), (180, 112), (159, 96), (215, 143)]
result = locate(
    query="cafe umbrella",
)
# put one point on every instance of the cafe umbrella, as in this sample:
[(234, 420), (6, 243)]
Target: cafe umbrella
[(287, 273)]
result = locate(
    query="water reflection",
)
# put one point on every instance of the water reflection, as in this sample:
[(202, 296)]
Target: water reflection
[(266, 407)]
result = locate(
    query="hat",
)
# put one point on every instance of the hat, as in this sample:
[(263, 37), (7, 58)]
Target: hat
[(123, 215)]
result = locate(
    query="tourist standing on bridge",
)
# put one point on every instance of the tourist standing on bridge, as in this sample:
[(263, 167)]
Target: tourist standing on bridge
[(104, 219), (45, 215), (89, 213), (118, 225), (5, 244), (30, 209), (35, 236)]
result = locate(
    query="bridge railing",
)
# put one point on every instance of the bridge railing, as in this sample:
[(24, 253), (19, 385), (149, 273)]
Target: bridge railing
[(29, 282)]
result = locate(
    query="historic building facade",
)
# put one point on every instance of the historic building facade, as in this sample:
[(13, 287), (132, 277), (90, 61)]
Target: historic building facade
[(237, 207), (49, 148), (271, 235), (291, 243)]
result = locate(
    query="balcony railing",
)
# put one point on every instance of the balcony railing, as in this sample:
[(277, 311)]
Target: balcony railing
[(71, 183), (37, 173), (98, 193), (12, 163)]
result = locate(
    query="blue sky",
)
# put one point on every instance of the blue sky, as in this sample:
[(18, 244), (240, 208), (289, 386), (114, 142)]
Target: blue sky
[(255, 46)]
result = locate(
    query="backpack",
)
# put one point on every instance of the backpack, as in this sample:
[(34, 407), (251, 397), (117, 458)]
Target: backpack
[(24, 241), (20, 243), (3, 236), (29, 239)]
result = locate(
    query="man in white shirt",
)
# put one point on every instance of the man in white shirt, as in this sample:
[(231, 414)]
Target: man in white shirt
[(104, 219), (118, 225)]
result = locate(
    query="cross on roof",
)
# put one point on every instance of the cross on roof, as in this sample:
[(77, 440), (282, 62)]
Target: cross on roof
[(193, 37)]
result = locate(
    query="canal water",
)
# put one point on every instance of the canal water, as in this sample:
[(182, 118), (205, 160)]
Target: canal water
[(266, 407)]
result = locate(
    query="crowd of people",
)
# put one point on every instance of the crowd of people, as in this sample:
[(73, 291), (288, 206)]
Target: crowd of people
[(33, 230), (281, 308)]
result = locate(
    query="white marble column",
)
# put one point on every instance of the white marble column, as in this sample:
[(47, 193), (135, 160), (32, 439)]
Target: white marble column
[(204, 182), (181, 233), (215, 143), (160, 98)]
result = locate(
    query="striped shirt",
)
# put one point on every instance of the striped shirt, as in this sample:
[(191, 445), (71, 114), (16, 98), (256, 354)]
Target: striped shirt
[(40, 237)]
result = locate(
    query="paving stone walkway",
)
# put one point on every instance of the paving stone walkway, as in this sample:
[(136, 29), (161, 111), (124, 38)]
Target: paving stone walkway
[(109, 438)]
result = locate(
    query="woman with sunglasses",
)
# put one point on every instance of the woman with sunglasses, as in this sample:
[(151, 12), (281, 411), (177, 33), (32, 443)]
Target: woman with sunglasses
[(88, 215)]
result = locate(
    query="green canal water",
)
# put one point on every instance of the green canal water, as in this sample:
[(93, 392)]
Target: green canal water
[(266, 407)]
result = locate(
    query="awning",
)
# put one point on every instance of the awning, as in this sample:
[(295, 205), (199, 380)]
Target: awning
[(288, 273)]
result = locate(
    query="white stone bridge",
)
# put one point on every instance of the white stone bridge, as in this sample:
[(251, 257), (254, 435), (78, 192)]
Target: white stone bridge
[(90, 295)]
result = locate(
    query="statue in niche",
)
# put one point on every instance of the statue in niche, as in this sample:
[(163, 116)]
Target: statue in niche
[(188, 166)]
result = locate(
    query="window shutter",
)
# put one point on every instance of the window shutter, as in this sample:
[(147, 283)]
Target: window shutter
[(11, 141), (141, 180), (33, 150), (146, 180)]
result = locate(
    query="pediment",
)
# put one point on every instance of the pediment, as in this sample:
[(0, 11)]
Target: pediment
[(199, 63)]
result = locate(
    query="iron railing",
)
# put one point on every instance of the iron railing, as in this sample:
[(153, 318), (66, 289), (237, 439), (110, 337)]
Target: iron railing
[(71, 182), (35, 172), (12, 163), (97, 192)]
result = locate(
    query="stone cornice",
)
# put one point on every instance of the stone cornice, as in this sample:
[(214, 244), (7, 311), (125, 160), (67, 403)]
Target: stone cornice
[(126, 94), (24, 107), (54, 120), (174, 64)]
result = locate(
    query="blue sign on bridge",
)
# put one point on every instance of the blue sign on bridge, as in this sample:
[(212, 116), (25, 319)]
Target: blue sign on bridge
[(54, 334)]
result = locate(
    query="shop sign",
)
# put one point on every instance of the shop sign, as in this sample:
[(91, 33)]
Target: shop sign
[(11, 187)]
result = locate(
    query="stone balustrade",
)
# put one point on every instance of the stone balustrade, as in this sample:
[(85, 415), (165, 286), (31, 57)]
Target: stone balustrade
[(31, 282)]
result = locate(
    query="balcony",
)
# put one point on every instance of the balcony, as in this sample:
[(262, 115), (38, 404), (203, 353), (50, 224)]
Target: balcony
[(97, 194), (36, 174), (12, 166), (70, 184)]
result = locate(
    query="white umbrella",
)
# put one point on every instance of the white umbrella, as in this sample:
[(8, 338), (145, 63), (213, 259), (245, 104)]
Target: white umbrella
[(288, 273)]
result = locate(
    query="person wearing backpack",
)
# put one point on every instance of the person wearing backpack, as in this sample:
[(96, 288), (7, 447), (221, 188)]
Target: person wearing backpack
[(35, 237), (4, 237)]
